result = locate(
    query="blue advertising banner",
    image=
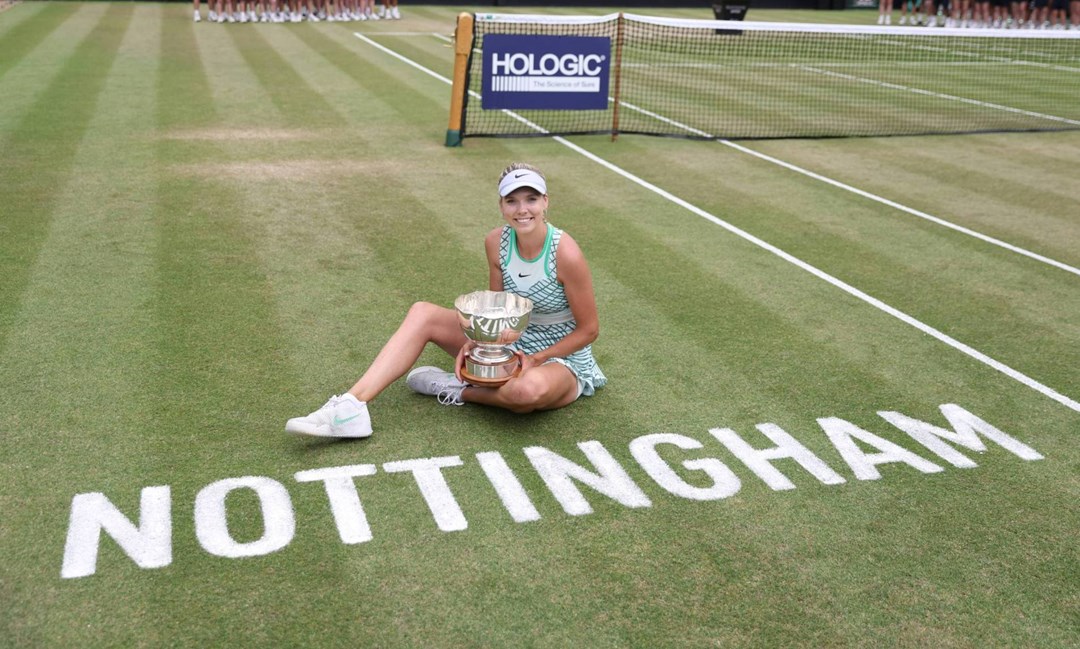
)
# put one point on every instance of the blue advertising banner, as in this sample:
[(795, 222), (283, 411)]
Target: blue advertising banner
[(546, 72)]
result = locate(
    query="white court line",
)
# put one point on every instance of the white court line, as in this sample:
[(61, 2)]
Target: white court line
[(887, 65), (936, 95), (847, 288), (401, 33), (904, 208), (990, 57)]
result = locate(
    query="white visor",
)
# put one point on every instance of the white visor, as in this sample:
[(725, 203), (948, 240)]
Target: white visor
[(522, 178)]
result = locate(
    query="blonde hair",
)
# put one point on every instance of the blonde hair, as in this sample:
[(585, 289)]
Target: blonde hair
[(520, 166)]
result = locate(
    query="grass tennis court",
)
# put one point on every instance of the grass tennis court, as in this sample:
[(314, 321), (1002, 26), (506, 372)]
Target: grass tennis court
[(208, 229)]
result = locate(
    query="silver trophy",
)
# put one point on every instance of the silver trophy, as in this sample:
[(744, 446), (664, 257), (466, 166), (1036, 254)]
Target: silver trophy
[(493, 320)]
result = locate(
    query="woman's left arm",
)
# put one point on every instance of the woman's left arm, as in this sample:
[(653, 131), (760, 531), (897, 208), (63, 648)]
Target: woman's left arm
[(576, 279)]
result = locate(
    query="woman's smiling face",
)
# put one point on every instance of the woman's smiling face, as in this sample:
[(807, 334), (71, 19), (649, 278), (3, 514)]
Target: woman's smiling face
[(524, 208)]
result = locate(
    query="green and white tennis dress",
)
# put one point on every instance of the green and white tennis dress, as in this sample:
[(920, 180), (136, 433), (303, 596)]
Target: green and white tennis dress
[(551, 318)]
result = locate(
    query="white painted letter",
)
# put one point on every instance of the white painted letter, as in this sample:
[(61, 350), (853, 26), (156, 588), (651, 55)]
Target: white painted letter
[(508, 487), (724, 482), (759, 460), (433, 487), (841, 433), (965, 428), (612, 481), (349, 516), (149, 545), (212, 525)]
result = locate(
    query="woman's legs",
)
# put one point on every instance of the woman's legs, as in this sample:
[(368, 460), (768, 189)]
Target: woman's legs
[(347, 415), (424, 323), (546, 387)]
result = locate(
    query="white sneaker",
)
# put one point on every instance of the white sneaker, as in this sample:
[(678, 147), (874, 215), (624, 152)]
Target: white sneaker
[(197, 17), (342, 416), (395, 13), (435, 382)]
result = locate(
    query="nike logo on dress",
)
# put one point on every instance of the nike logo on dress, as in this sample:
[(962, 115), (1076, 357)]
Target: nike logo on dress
[(339, 421), (524, 275)]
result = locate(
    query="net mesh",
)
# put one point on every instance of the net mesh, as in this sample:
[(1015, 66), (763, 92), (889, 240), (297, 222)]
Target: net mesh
[(746, 80)]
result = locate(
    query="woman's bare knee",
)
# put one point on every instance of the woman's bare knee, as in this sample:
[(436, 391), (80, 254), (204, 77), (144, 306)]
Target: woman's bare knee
[(524, 395), (436, 324), (422, 312)]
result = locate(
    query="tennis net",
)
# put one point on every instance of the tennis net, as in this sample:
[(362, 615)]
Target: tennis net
[(752, 80)]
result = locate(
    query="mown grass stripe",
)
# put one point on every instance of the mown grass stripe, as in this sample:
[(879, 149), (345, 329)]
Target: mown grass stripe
[(1015, 194), (84, 295), (75, 369), (10, 20), (17, 42), (903, 208), (1034, 216), (38, 154), (375, 78), (219, 349), (24, 83), (182, 74), (294, 97)]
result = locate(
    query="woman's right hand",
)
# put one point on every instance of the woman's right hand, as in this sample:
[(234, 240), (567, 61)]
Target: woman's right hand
[(459, 362)]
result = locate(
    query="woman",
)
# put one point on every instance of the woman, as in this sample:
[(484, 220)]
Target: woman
[(527, 256)]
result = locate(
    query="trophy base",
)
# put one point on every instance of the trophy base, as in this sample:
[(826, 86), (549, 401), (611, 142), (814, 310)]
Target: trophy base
[(489, 375)]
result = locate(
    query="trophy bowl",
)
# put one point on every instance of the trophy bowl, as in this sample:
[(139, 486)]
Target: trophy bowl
[(493, 320)]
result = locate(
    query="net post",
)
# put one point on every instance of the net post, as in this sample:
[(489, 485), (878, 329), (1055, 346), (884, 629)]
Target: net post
[(618, 78), (463, 45)]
